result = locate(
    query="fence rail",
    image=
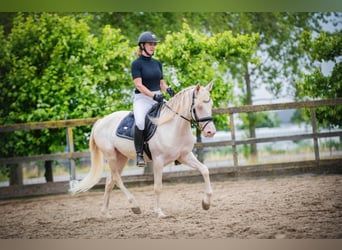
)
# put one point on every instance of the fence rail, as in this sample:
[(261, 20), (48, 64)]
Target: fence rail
[(69, 124), (278, 106)]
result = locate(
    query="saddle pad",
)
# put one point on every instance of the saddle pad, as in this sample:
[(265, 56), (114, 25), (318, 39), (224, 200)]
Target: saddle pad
[(126, 126)]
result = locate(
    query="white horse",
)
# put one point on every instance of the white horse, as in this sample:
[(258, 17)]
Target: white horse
[(173, 140)]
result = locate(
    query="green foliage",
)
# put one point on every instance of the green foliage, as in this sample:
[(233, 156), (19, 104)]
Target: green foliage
[(281, 57), (190, 57), (73, 65), (326, 47), (298, 116), (133, 23), (262, 120), (54, 68)]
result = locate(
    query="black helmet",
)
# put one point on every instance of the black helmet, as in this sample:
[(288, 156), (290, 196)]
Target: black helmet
[(146, 37)]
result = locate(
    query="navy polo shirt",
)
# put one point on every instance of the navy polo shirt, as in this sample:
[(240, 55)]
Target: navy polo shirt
[(150, 70)]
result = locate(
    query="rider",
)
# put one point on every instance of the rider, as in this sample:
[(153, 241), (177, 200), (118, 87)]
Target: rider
[(147, 74)]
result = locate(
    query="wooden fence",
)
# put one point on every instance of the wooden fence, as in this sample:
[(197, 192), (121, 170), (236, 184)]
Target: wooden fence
[(315, 135), (71, 155)]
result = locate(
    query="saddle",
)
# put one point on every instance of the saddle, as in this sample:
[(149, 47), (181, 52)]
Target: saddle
[(126, 126)]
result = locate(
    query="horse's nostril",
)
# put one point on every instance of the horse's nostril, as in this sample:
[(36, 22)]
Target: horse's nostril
[(210, 133)]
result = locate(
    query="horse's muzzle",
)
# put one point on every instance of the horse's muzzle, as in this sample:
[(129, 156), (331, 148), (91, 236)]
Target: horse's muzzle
[(209, 130)]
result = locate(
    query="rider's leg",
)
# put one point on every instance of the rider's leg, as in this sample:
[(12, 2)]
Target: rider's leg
[(139, 146), (142, 104)]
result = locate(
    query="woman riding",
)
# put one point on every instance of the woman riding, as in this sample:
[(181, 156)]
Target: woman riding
[(147, 74)]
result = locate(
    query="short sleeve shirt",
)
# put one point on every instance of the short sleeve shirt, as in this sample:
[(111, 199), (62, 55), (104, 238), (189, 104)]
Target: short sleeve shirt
[(150, 70)]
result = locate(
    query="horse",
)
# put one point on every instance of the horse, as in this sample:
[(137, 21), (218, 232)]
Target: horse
[(173, 140)]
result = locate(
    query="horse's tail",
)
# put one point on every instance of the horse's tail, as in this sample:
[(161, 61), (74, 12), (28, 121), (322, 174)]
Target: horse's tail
[(96, 168)]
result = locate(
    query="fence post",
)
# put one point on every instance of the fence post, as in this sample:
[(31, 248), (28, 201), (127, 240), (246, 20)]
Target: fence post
[(48, 171), (232, 131), (71, 160), (314, 131), (16, 174)]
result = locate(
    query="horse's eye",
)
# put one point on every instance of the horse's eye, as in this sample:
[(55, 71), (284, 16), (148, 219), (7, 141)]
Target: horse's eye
[(207, 100)]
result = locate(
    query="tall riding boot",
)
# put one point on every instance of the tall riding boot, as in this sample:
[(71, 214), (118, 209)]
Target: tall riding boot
[(139, 146)]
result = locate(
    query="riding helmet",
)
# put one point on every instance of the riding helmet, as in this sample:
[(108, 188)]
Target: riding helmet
[(147, 37)]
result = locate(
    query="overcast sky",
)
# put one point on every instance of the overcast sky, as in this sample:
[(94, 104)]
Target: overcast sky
[(262, 96)]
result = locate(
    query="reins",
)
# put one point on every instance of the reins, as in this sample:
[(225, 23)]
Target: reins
[(180, 115), (193, 121)]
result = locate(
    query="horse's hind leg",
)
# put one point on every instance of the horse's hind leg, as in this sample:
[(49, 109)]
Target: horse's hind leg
[(134, 205), (116, 165), (108, 189)]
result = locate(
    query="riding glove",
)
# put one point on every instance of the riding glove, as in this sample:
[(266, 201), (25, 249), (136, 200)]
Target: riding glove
[(170, 92), (158, 97)]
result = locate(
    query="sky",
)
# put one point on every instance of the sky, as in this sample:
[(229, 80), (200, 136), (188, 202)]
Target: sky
[(262, 96)]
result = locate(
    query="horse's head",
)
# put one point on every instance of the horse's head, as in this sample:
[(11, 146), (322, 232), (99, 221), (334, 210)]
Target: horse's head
[(202, 109)]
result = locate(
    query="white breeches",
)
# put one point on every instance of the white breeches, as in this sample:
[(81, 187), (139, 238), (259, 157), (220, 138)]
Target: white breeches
[(142, 104)]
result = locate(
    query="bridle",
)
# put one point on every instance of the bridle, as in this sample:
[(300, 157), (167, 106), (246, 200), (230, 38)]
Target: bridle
[(195, 120)]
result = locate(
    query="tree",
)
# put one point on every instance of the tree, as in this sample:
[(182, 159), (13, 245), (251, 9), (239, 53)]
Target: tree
[(191, 56), (53, 68), (281, 58), (132, 24), (281, 61), (264, 120), (6, 20), (51, 62), (317, 85)]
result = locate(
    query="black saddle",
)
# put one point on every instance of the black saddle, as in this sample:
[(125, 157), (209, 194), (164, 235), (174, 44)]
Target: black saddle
[(126, 126)]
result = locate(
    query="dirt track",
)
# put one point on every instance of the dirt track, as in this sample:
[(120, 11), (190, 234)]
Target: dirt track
[(307, 207)]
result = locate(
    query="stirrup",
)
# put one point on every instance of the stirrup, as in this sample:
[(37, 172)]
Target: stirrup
[(140, 161)]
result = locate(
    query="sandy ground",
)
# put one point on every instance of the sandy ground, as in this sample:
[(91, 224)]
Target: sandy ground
[(306, 207)]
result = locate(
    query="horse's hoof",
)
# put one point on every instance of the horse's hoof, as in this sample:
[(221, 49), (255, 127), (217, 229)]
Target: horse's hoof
[(162, 216), (159, 213), (105, 213), (205, 206), (136, 210)]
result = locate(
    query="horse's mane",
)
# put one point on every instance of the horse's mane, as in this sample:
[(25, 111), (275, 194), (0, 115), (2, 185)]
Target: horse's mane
[(180, 104)]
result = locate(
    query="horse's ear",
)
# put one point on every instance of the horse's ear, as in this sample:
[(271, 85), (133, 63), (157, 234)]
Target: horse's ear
[(197, 88), (210, 85)]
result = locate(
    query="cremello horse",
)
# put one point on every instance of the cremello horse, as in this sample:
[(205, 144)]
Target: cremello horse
[(173, 140)]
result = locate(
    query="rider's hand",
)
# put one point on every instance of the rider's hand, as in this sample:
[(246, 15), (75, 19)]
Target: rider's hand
[(170, 92), (158, 97)]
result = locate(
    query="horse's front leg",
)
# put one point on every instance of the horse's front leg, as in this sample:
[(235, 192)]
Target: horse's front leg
[(158, 186), (192, 162)]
